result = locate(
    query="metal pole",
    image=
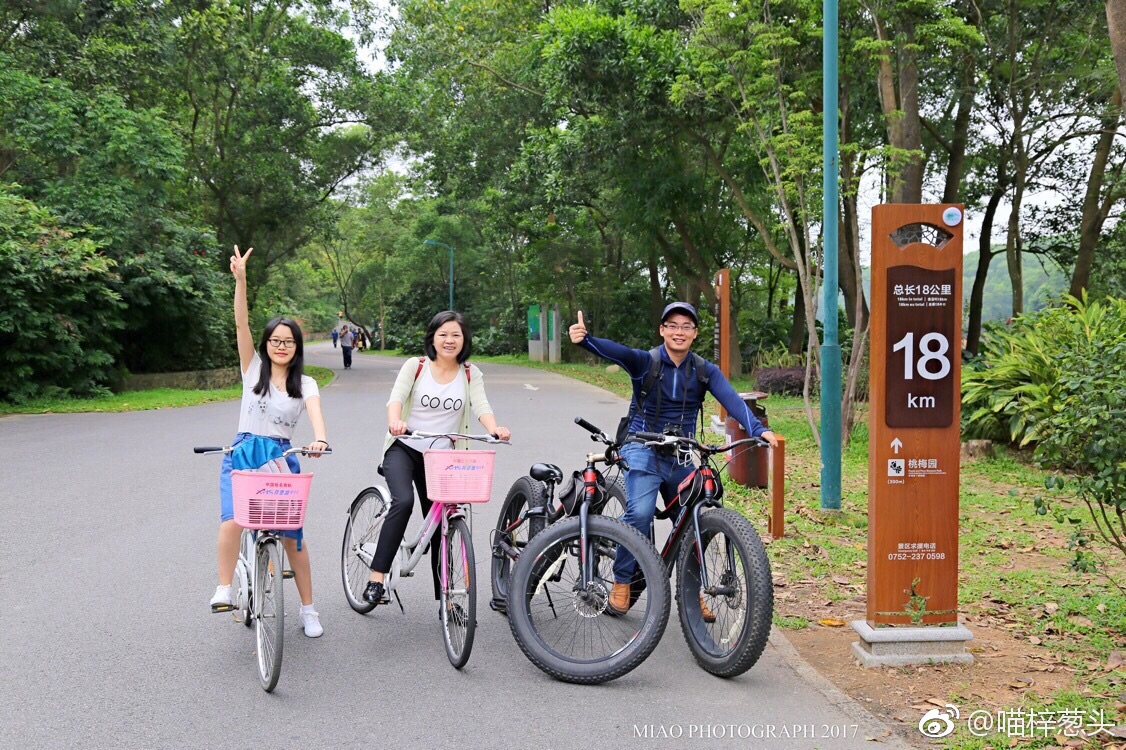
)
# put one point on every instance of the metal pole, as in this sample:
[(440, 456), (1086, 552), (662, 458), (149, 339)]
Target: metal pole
[(830, 347)]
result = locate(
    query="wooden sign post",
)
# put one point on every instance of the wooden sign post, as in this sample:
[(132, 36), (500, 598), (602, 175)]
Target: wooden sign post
[(913, 453)]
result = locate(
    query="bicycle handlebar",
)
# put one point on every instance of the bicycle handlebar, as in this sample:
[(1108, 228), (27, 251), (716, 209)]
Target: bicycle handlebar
[(489, 438), (657, 438), (228, 449)]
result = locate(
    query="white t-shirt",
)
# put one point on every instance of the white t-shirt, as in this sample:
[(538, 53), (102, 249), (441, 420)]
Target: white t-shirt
[(435, 408), (275, 414)]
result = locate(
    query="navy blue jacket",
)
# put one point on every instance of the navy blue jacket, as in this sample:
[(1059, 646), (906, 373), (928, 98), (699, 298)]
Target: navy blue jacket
[(681, 392)]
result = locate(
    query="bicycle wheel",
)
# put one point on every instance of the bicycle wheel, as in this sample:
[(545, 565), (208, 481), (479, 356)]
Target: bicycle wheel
[(562, 625), (458, 592), (729, 638), (524, 493), (269, 618), (365, 521), (616, 504)]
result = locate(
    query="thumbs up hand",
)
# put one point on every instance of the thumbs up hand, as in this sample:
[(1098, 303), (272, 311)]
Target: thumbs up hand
[(578, 330)]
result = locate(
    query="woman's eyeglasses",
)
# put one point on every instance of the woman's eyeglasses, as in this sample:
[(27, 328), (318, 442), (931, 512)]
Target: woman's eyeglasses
[(281, 343)]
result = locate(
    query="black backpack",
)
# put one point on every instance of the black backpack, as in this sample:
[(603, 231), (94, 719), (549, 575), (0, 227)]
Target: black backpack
[(651, 378)]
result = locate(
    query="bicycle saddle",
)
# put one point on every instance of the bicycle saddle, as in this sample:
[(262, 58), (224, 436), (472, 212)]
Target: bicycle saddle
[(546, 473)]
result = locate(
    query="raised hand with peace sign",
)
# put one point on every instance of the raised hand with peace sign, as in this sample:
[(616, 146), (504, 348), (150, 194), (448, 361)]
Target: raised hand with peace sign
[(578, 330)]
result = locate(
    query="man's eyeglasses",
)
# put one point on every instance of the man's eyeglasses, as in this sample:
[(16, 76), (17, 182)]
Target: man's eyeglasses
[(281, 343), (687, 327)]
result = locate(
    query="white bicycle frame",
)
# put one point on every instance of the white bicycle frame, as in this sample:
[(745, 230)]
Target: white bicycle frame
[(246, 567)]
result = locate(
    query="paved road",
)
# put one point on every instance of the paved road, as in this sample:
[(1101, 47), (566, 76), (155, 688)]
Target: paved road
[(106, 640)]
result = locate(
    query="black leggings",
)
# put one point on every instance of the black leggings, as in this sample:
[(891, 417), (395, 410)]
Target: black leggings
[(402, 466)]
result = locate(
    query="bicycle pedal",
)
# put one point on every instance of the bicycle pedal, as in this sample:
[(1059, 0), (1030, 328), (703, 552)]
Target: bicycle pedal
[(217, 608), (287, 574), (498, 605)]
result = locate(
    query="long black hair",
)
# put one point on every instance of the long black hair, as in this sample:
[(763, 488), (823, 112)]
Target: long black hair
[(440, 320), (296, 365)]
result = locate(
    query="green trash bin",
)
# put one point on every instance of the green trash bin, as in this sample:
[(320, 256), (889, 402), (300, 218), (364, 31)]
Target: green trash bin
[(749, 467)]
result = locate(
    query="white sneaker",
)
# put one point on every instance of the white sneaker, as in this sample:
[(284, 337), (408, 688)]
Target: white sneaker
[(311, 621), (222, 597)]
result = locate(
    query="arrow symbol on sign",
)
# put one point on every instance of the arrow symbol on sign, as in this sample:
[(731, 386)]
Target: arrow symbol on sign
[(896, 445)]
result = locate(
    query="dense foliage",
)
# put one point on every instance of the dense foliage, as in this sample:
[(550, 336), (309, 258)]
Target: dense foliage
[(60, 312), (602, 156)]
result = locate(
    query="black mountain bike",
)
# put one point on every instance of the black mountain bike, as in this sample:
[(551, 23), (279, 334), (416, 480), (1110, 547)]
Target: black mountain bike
[(724, 588), (725, 598), (533, 504), (558, 580)]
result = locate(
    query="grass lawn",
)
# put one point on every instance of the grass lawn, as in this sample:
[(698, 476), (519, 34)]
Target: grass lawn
[(158, 398)]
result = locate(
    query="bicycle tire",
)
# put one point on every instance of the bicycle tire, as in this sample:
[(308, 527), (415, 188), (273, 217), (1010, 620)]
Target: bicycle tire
[(524, 493), (458, 598), (733, 643), (607, 646), (269, 619), (365, 520), (615, 506), (242, 578)]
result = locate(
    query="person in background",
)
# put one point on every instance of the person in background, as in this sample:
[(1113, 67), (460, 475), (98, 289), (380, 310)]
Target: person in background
[(347, 338)]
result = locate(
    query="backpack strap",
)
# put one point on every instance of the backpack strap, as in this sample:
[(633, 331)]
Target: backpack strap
[(422, 361)]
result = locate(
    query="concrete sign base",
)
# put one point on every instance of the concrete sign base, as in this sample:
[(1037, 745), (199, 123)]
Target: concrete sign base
[(899, 647)]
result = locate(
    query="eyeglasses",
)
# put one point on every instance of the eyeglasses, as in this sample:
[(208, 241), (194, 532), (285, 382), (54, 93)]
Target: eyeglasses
[(281, 343), (687, 327)]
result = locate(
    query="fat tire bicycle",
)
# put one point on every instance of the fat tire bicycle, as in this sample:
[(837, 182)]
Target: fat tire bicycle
[(558, 587), (257, 594), (533, 503), (449, 513), (724, 588)]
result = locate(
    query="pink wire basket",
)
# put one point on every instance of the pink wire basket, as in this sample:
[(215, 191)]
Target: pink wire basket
[(459, 476), (265, 500)]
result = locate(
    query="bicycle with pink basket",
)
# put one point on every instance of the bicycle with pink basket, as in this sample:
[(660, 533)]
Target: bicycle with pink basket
[(455, 480), (265, 502)]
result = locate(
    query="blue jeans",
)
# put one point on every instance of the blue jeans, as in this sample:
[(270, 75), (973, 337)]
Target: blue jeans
[(649, 473)]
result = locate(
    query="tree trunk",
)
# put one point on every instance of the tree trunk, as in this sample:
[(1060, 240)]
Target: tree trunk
[(1116, 25), (957, 162), (899, 101), (797, 330), (1013, 246), (1091, 225), (985, 255)]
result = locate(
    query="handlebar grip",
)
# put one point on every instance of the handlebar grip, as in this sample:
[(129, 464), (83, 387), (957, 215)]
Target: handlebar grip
[(649, 436), (407, 431), (208, 448), (587, 426)]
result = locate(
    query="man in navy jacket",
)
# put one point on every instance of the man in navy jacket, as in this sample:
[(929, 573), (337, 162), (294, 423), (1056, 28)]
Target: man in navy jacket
[(671, 404)]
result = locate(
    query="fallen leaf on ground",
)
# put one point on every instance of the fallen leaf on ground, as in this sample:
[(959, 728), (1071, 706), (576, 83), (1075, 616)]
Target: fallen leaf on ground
[(1021, 683), (1051, 608), (1034, 640), (1083, 622), (831, 622), (1115, 660)]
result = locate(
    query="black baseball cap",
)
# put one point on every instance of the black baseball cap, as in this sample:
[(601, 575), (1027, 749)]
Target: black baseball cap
[(680, 307)]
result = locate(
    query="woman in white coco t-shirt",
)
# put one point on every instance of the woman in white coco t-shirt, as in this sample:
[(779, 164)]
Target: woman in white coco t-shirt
[(275, 391), (435, 393)]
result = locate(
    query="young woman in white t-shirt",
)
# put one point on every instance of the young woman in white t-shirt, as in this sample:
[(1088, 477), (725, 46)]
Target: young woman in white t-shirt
[(435, 393), (275, 391)]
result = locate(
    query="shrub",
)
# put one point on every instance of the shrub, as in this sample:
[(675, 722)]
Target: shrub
[(1012, 389), (58, 313), (1086, 430)]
